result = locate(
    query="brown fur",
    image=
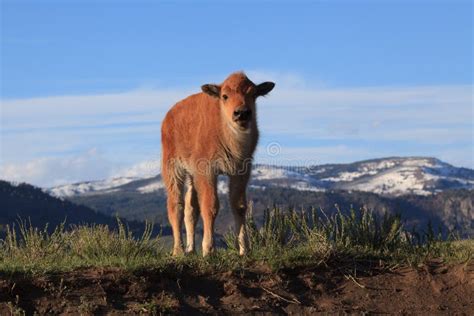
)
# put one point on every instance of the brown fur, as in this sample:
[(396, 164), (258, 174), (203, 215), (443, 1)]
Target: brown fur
[(200, 140)]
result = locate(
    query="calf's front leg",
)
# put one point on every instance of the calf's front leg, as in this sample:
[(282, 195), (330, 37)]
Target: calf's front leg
[(206, 187)]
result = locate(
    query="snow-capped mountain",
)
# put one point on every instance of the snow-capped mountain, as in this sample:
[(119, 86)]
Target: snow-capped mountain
[(88, 187), (393, 176), (398, 176)]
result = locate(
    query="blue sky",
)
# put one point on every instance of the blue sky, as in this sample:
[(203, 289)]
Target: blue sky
[(85, 85)]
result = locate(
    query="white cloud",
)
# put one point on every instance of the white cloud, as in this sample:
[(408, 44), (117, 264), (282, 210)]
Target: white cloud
[(373, 113), (313, 109), (38, 134), (275, 154), (144, 169), (87, 110), (52, 171), (283, 79)]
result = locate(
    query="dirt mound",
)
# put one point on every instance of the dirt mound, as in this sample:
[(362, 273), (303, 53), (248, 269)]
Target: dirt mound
[(434, 288)]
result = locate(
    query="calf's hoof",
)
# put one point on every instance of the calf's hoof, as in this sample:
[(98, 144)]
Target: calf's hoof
[(178, 251)]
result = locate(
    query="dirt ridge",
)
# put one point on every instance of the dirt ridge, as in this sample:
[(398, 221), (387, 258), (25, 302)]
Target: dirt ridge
[(433, 288)]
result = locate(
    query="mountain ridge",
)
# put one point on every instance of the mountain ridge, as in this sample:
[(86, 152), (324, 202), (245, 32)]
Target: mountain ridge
[(428, 191), (23, 203), (391, 176), (423, 190)]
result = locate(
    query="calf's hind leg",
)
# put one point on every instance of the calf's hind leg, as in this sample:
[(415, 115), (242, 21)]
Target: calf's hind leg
[(238, 203), (175, 205), (191, 215)]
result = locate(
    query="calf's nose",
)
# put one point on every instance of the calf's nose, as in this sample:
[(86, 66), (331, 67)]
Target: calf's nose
[(242, 114)]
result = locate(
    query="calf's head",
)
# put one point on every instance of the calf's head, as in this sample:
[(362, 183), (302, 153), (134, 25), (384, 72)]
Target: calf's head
[(237, 95)]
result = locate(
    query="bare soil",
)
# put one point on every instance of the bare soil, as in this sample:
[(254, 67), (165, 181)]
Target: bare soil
[(434, 288)]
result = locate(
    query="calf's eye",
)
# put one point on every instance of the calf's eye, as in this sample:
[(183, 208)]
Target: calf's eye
[(225, 97)]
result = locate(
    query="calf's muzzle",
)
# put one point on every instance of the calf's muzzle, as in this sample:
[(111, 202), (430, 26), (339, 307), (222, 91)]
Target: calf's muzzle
[(242, 114)]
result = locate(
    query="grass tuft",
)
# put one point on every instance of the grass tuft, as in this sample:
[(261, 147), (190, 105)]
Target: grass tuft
[(285, 239)]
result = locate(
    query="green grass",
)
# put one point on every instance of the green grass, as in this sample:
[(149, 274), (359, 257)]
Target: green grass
[(285, 240)]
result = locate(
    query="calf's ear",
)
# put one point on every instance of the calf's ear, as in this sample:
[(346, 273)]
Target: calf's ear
[(264, 88), (212, 89)]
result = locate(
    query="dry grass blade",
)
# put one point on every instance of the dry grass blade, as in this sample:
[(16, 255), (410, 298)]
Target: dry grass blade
[(351, 278), (291, 301)]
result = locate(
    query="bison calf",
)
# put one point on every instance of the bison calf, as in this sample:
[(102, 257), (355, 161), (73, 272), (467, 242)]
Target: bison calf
[(210, 133)]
